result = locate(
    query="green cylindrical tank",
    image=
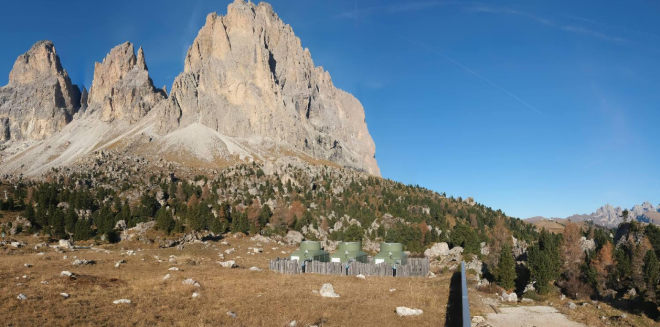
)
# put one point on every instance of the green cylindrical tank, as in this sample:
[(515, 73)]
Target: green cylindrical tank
[(310, 250), (391, 253), (347, 251)]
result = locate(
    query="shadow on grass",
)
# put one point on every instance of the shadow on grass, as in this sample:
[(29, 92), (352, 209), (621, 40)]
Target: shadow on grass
[(454, 317)]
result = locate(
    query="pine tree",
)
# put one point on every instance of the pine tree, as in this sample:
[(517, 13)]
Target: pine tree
[(240, 224), (506, 268), (544, 261), (82, 230), (651, 273), (164, 221), (70, 221)]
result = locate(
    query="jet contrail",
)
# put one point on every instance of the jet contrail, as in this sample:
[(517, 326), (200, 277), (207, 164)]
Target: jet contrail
[(474, 73)]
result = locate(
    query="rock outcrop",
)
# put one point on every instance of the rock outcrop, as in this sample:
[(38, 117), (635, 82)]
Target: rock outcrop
[(122, 88), (39, 99), (247, 76)]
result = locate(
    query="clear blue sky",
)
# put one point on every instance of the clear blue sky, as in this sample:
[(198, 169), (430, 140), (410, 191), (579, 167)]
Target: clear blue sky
[(535, 107)]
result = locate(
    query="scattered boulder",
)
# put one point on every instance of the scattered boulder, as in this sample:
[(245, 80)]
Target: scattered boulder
[(21, 297), (571, 305), (118, 263), (27, 265), (65, 245), (166, 277), (122, 301), (530, 287), (66, 273), (512, 297), (293, 237), (255, 269), (196, 295), (478, 319), (120, 225), (231, 314), (438, 249), (404, 312), (83, 262), (64, 295), (327, 290), (191, 281), (228, 264), (361, 276)]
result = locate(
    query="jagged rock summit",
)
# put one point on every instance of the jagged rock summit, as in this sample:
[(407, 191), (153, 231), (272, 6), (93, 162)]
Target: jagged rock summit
[(122, 88), (247, 76), (39, 99)]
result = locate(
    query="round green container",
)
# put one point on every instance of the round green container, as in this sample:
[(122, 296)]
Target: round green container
[(391, 247), (310, 246), (349, 246)]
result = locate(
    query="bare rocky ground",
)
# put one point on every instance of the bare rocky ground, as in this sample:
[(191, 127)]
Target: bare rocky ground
[(215, 295), (548, 311)]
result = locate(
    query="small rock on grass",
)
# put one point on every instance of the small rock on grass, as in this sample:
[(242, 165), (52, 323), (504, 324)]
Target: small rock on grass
[(360, 276), (64, 295), (66, 273), (231, 314), (166, 277), (328, 291), (21, 297), (122, 301), (404, 312), (196, 295)]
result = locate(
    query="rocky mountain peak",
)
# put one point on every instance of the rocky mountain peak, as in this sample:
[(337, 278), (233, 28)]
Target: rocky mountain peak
[(247, 76), (39, 99), (40, 62), (121, 88)]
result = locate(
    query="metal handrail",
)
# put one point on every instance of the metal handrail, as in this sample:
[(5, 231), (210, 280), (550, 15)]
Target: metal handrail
[(465, 305)]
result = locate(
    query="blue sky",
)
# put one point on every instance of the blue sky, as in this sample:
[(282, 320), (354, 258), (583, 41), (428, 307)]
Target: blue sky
[(535, 107)]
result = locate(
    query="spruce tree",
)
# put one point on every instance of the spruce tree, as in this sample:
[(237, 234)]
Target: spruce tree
[(651, 273), (506, 269), (164, 221), (544, 261)]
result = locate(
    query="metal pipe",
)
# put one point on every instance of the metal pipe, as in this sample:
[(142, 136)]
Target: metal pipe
[(465, 305)]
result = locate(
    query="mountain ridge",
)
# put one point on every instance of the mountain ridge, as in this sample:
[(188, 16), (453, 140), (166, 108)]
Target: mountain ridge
[(248, 91), (610, 216)]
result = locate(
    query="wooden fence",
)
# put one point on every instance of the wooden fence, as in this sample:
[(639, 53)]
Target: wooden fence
[(415, 267)]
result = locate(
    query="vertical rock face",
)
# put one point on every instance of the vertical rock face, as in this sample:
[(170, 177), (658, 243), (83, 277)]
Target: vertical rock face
[(39, 99), (246, 75), (122, 88)]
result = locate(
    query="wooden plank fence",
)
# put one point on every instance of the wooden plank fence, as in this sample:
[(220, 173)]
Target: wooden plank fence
[(416, 267)]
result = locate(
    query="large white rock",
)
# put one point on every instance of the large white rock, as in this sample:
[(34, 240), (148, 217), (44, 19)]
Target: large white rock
[(438, 249), (228, 264), (293, 237), (327, 290), (65, 244), (404, 312), (512, 297)]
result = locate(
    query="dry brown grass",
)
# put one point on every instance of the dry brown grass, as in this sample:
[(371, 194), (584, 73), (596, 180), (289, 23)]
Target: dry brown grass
[(258, 298)]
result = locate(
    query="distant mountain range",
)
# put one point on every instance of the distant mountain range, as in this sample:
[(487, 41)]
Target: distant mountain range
[(611, 216)]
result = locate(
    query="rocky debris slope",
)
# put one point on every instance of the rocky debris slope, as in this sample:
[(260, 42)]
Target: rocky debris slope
[(247, 76), (122, 88), (39, 99)]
